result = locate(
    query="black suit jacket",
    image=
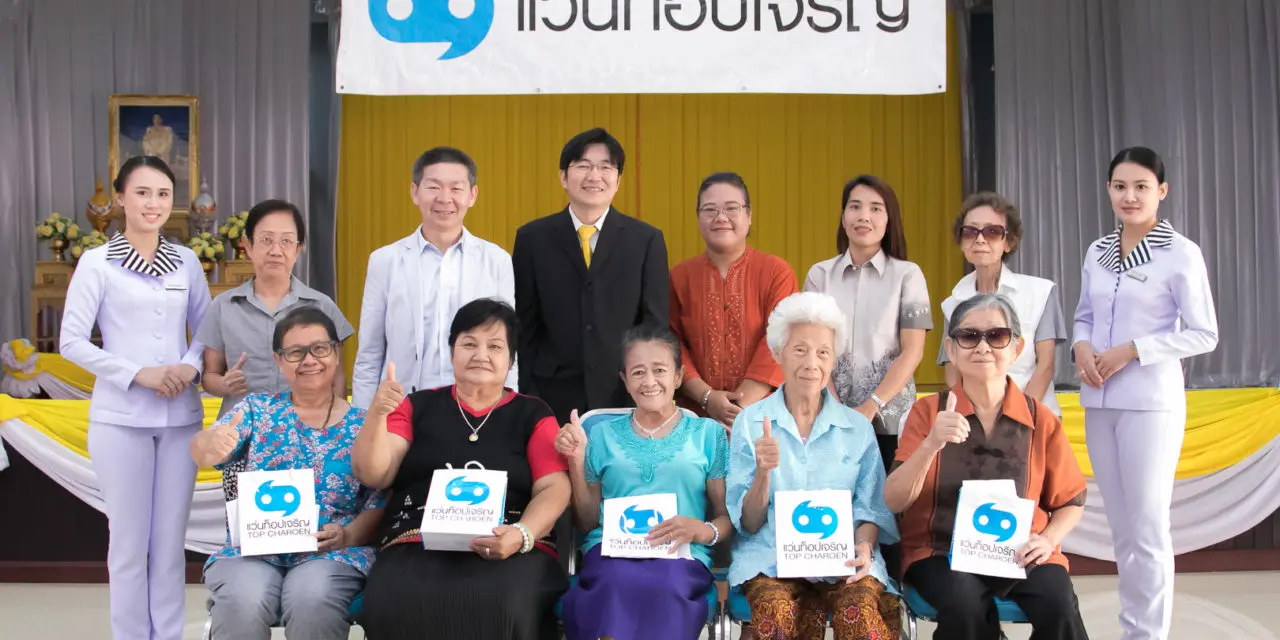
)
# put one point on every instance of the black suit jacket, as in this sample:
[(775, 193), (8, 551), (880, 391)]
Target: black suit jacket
[(572, 318)]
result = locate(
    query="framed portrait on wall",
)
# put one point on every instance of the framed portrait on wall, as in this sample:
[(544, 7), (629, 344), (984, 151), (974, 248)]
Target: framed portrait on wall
[(167, 126)]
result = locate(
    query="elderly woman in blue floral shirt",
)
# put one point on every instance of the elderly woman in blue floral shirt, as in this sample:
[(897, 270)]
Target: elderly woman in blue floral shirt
[(802, 438), (308, 427)]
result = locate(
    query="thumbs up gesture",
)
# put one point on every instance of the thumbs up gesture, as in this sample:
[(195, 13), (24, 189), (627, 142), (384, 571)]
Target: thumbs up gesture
[(215, 445), (389, 394), (766, 449), (571, 442), (234, 378), (949, 427)]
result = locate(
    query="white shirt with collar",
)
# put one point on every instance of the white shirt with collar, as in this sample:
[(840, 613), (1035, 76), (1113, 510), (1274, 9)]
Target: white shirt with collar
[(1034, 300), (412, 291), (144, 311), (599, 225), (1158, 298)]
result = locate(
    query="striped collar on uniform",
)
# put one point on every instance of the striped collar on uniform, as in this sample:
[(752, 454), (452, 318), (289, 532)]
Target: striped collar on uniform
[(1161, 237), (165, 261)]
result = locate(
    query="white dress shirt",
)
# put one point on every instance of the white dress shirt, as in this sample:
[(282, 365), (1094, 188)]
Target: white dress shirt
[(1158, 298), (144, 311), (598, 225), (412, 291)]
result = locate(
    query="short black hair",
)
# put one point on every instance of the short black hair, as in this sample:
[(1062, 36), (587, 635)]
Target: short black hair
[(481, 312), (651, 333), (137, 162), (307, 316), (576, 148), (730, 178), (444, 155), (267, 207), (1140, 156)]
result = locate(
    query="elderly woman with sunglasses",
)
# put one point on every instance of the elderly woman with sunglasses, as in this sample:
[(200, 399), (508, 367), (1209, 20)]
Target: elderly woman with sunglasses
[(989, 231), (310, 426), (986, 428)]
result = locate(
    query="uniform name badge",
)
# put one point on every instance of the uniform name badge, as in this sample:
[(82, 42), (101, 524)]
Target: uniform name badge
[(814, 533), (462, 505), (277, 512), (627, 522)]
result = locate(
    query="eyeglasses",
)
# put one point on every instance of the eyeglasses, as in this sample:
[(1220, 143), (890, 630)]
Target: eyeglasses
[(730, 210), (990, 232), (285, 244), (319, 351), (605, 169), (998, 338)]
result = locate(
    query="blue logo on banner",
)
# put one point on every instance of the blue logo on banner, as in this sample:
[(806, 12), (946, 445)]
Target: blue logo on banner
[(994, 522), (816, 520), (460, 490), (283, 498), (639, 521), (434, 21)]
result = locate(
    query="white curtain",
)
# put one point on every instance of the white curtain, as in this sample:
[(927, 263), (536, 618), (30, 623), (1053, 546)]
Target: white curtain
[(1199, 82), (247, 60)]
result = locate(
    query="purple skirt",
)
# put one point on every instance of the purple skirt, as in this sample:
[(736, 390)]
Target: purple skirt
[(627, 599)]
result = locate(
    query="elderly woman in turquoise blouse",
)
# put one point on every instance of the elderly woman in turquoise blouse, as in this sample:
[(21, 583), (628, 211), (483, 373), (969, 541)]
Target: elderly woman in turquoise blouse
[(656, 449), (803, 438)]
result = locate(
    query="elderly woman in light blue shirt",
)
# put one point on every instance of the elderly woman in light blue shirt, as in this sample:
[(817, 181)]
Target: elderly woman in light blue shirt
[(802, 438)]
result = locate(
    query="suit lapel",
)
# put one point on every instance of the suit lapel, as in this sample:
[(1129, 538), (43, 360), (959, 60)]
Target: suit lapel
[(610, 234), (411, 267), (567, 238)]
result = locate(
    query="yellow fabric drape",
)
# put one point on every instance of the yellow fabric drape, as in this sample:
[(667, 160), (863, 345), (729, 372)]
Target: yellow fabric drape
[(67, 423), (795, 152), (50, 363)]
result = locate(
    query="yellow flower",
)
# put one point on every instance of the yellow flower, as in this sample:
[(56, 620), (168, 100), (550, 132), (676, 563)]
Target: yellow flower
[(59, 227), (234, 234), (55, 216), (77, 251), (73, 232), (44, 231), (208, 253)]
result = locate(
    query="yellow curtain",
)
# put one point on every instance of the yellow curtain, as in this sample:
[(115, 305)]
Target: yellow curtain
[(795, 152)]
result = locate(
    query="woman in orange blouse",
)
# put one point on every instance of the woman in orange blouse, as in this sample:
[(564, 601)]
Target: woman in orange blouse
[(720, 301)]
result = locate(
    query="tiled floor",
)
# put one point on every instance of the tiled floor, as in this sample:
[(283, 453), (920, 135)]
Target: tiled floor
[(1220, 606)]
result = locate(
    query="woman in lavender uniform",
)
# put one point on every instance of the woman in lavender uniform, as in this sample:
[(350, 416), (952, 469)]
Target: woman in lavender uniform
[(145, 294)]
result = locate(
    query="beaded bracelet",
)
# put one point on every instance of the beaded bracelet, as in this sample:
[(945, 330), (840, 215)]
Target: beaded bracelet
[(716, 537), (526, 544)]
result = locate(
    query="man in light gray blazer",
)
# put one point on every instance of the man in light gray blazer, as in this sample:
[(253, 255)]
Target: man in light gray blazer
[(414, 286)]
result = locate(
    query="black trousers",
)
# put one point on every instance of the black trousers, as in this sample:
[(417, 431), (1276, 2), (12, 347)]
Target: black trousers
[(966, 610)]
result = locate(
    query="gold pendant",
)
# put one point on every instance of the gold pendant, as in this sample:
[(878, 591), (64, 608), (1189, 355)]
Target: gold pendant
[(473, 437)]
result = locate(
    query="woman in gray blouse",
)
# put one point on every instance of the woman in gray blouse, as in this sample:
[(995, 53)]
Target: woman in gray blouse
[(887, 303)]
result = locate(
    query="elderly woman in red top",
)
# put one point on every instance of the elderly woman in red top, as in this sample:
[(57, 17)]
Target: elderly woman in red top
[(720, 302), (985, 428), (507, 586)]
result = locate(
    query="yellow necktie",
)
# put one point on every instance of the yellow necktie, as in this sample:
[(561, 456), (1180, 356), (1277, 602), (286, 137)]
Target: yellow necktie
[(584, 234)]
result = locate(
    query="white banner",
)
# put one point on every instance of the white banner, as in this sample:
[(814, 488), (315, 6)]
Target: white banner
[(485, 47)]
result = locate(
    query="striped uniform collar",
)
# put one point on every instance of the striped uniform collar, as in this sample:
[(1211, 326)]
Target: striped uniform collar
[(166, 260), (1161, 237)]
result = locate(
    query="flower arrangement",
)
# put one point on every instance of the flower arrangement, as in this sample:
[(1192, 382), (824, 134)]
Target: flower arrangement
[(207, 248), (232, 232), (57, 231), (94, 239)]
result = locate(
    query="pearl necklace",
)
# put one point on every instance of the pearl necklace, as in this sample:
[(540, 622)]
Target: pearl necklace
[(653, 433)]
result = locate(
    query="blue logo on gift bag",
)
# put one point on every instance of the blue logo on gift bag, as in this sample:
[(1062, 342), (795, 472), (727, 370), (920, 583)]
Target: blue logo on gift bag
[(434, 21), (814, 519), (283, 498), (639, 521), (460, 490), (994, 522)]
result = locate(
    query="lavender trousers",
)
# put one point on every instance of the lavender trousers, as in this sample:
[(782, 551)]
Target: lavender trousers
[(146, 476)]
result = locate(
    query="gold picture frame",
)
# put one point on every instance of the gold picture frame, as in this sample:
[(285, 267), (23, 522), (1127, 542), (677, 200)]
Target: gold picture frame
[(163, 125)]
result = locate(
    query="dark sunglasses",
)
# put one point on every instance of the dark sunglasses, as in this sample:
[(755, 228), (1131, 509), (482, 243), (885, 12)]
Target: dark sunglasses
[(996, 338), (319, 351), (990, 232)]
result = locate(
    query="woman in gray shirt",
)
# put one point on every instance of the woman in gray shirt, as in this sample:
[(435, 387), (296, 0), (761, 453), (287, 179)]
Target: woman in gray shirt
[(887, 303)]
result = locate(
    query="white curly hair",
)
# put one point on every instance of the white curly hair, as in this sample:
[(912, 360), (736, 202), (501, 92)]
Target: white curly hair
[(808, 307)]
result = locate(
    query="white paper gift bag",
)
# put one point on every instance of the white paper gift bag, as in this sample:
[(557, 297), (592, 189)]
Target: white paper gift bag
[(628, 521), (814, 533), (462, 505), (992, 523), (277, 512)]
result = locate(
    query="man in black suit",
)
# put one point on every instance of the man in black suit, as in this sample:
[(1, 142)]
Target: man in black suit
[(584, 276)]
